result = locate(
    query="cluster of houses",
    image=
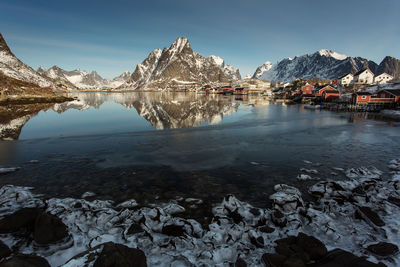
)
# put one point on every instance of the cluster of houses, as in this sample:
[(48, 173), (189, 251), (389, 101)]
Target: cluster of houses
[(328, 93), (364, 76)]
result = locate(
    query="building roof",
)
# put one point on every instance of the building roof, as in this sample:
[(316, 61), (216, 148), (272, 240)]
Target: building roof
[(361, 71), (345, 75), (331, 91), (362, 93), (395, 92)]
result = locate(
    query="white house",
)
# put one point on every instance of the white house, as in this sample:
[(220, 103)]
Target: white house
[(346, 79), (365, 76), (383, 78)]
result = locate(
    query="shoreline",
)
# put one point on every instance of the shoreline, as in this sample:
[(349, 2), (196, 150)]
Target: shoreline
[(23, 100)]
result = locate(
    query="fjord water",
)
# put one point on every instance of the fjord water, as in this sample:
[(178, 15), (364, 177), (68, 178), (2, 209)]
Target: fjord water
[(162, 145)]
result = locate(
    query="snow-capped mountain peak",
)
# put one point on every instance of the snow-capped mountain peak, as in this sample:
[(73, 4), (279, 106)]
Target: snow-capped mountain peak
[(330, 53), (179, 45), (179, 66), (217, 60)]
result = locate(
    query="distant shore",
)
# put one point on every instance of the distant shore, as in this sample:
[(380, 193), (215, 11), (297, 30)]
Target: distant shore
[(22, 100)]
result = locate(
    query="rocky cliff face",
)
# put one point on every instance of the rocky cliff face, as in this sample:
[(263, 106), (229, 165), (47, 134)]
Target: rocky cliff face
[(260, 70), (175, 67), (11, 66), (391, 66), (230, 72), (323, 64)]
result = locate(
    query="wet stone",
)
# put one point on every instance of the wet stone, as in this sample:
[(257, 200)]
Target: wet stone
[(4, 251), (240, 263), (371, 215), (266, 229), (395, 201), (24, 260), (173, 230), (342, 258), (273, 260), (314, 248), (23, 218), (383, 249), (135, 228), (117, 255), (49, 229)]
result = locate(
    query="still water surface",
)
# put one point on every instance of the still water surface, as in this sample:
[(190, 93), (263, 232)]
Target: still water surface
[(163, 145)]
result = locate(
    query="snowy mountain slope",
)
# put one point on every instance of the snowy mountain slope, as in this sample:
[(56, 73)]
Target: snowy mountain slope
[(323, 64), (260, 70), (231, 72), (175, 67), (12, 67)]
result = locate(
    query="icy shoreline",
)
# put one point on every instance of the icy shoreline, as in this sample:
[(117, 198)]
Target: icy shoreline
[(352, 215)]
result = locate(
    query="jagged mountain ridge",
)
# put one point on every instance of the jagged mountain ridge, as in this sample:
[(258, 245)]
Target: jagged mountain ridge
[(81, 79), (323, 64), (230, 71), (14, 68), (177, 66)]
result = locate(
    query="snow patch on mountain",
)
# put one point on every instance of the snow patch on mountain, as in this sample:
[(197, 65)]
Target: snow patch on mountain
[(330, 53), (263, 68), (11, 66)]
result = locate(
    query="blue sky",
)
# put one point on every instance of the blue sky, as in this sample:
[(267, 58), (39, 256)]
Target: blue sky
[(113, 36)]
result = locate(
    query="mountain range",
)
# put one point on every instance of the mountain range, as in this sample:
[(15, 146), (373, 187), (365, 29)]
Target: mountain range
[(79, 79), (178, 66), (323, 64)]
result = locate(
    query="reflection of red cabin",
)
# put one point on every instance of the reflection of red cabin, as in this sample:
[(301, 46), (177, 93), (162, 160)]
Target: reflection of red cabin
[(307, 89), (330, 94), (319, 90)]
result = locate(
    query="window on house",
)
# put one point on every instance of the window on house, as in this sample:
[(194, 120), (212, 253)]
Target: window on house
[(364, 97)]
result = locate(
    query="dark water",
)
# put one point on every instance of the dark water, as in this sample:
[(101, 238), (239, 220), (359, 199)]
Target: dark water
[(157, 146)]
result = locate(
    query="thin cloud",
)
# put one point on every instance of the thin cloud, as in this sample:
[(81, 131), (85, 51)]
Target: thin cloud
[(70, 45)]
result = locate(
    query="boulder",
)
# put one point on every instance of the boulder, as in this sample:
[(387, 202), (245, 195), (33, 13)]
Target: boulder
[(173, 230), (312, 246), (117, 255), (24, 260), (134, 229), (371, 215), (342, 258), (4, 251), (21, 219), (273, 260), (240, 263), (383, 249), (49, 229)]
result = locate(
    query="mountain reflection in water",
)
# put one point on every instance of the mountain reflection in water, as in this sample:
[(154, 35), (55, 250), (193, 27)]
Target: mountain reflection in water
[(162, 110)]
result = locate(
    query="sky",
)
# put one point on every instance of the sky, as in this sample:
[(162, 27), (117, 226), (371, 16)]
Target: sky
[(113, 36)]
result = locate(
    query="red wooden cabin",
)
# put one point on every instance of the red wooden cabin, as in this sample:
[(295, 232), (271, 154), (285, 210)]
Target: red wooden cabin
[(319, 90), (330, 94), (307, 89)]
